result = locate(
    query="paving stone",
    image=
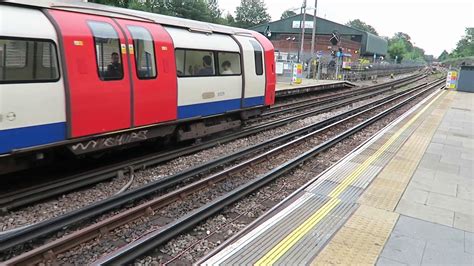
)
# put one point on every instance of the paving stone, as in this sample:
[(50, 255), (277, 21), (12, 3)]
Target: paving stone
[(467, 172), (441, 186), (464, 221), (432, 157), (424, 173), (450, 203), (452, 151), (458, 179), (439, 166), (386, 262), (404, 249), (465, 192), (415, 194), (467, 156), (456, 160), (469, 242), (429, 213), (427, 231), (434, 254), (436, 148), (455, 143)]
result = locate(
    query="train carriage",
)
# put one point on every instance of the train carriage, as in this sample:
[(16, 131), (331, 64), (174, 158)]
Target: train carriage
[(88, 78)]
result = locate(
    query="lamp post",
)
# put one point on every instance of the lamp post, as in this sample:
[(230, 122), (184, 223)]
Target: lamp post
[(302, 25), (313, 36), (290, 39)]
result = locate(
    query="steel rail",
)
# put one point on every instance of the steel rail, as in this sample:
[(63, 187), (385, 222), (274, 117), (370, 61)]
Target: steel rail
[(62, 244), (13, 200), (321, 99), (43, 228), (150, 241)]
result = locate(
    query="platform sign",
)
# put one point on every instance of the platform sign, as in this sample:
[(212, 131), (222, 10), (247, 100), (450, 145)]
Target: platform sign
[(297, 77), (451, 79)]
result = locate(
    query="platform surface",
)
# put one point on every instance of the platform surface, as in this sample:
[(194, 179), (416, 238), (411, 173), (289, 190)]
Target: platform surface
[(307, 82), (404, 197)]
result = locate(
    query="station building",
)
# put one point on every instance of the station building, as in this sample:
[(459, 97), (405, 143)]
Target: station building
[(286, 37)]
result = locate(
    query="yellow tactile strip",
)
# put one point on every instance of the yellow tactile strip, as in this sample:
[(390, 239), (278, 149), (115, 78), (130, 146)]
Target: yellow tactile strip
[(388, 187), (363, 237)]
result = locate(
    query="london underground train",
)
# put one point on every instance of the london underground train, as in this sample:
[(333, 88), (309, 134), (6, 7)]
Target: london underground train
[(84, 78)]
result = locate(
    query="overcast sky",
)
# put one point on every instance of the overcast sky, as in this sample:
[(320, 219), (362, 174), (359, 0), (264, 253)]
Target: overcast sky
[(433, 25)]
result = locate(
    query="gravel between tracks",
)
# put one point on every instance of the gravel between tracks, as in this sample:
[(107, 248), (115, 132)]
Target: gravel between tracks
[(88, 252), (189, 247), (72, 201)]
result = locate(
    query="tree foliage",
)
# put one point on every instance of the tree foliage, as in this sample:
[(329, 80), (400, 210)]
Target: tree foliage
[(397, 50), (251, 13), (202, 10), (465, 46), (359, 24), (401, 48), (287, 14), (443, 56)]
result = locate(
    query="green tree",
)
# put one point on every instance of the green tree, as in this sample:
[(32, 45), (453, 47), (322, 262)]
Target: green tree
[(251, 13), (288, 13), (229, 20), (443, 56), (465, 46), (359, 24), (405, 38), (397, 50)]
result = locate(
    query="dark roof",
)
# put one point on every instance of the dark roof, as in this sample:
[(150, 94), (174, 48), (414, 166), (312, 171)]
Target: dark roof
[(370, 43)]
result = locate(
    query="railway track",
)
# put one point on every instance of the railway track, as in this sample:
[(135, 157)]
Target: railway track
[(314, 101), (142, 246), (24, 197)]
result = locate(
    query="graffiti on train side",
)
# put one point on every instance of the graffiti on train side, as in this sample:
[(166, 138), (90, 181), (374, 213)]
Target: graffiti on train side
[(108, 142)]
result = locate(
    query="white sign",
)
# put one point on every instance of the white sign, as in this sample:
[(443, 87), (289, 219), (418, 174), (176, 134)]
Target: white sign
[(279, 68), (307, 24)]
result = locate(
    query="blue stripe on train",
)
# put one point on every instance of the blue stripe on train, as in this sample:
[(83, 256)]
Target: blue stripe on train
[(213, 108), (25, 137), (248, 102)]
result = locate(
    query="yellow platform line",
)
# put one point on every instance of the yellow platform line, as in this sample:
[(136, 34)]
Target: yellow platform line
[(298, 233), (290, 240)]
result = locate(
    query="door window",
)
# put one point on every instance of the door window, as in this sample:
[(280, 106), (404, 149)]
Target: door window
[(144, 50), (107, 50), (258, 57)]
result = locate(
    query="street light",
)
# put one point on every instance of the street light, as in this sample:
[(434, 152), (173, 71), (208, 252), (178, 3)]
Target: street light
[(291, 39)]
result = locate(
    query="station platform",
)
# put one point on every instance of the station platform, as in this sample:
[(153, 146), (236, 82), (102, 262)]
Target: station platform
[(309, 85), (403, 197)]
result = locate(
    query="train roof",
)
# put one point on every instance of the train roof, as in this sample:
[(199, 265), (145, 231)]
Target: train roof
[(110, 11)]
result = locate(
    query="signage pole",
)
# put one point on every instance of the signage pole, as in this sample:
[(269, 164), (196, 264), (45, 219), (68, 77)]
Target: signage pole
[(302, 25)]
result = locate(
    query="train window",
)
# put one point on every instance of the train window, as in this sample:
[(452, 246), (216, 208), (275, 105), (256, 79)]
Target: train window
[(194, 63), (229, 63), (28, 60), (107, 51), (258, 57), (144, 50)]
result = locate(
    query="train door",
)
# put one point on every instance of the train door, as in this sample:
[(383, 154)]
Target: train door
[(98, 84), (153, 72), (254, 91)]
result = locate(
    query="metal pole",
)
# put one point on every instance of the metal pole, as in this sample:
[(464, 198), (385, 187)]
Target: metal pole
[(303, 10), (313, 36)]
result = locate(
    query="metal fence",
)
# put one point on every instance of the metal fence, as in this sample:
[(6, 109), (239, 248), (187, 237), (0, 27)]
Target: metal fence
[(331, 69)]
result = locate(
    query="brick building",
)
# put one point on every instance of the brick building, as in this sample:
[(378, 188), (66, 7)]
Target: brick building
[(286, 37)]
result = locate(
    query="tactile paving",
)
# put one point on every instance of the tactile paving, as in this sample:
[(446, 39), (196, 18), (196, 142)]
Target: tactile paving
[(360, 240), (386, 190)]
